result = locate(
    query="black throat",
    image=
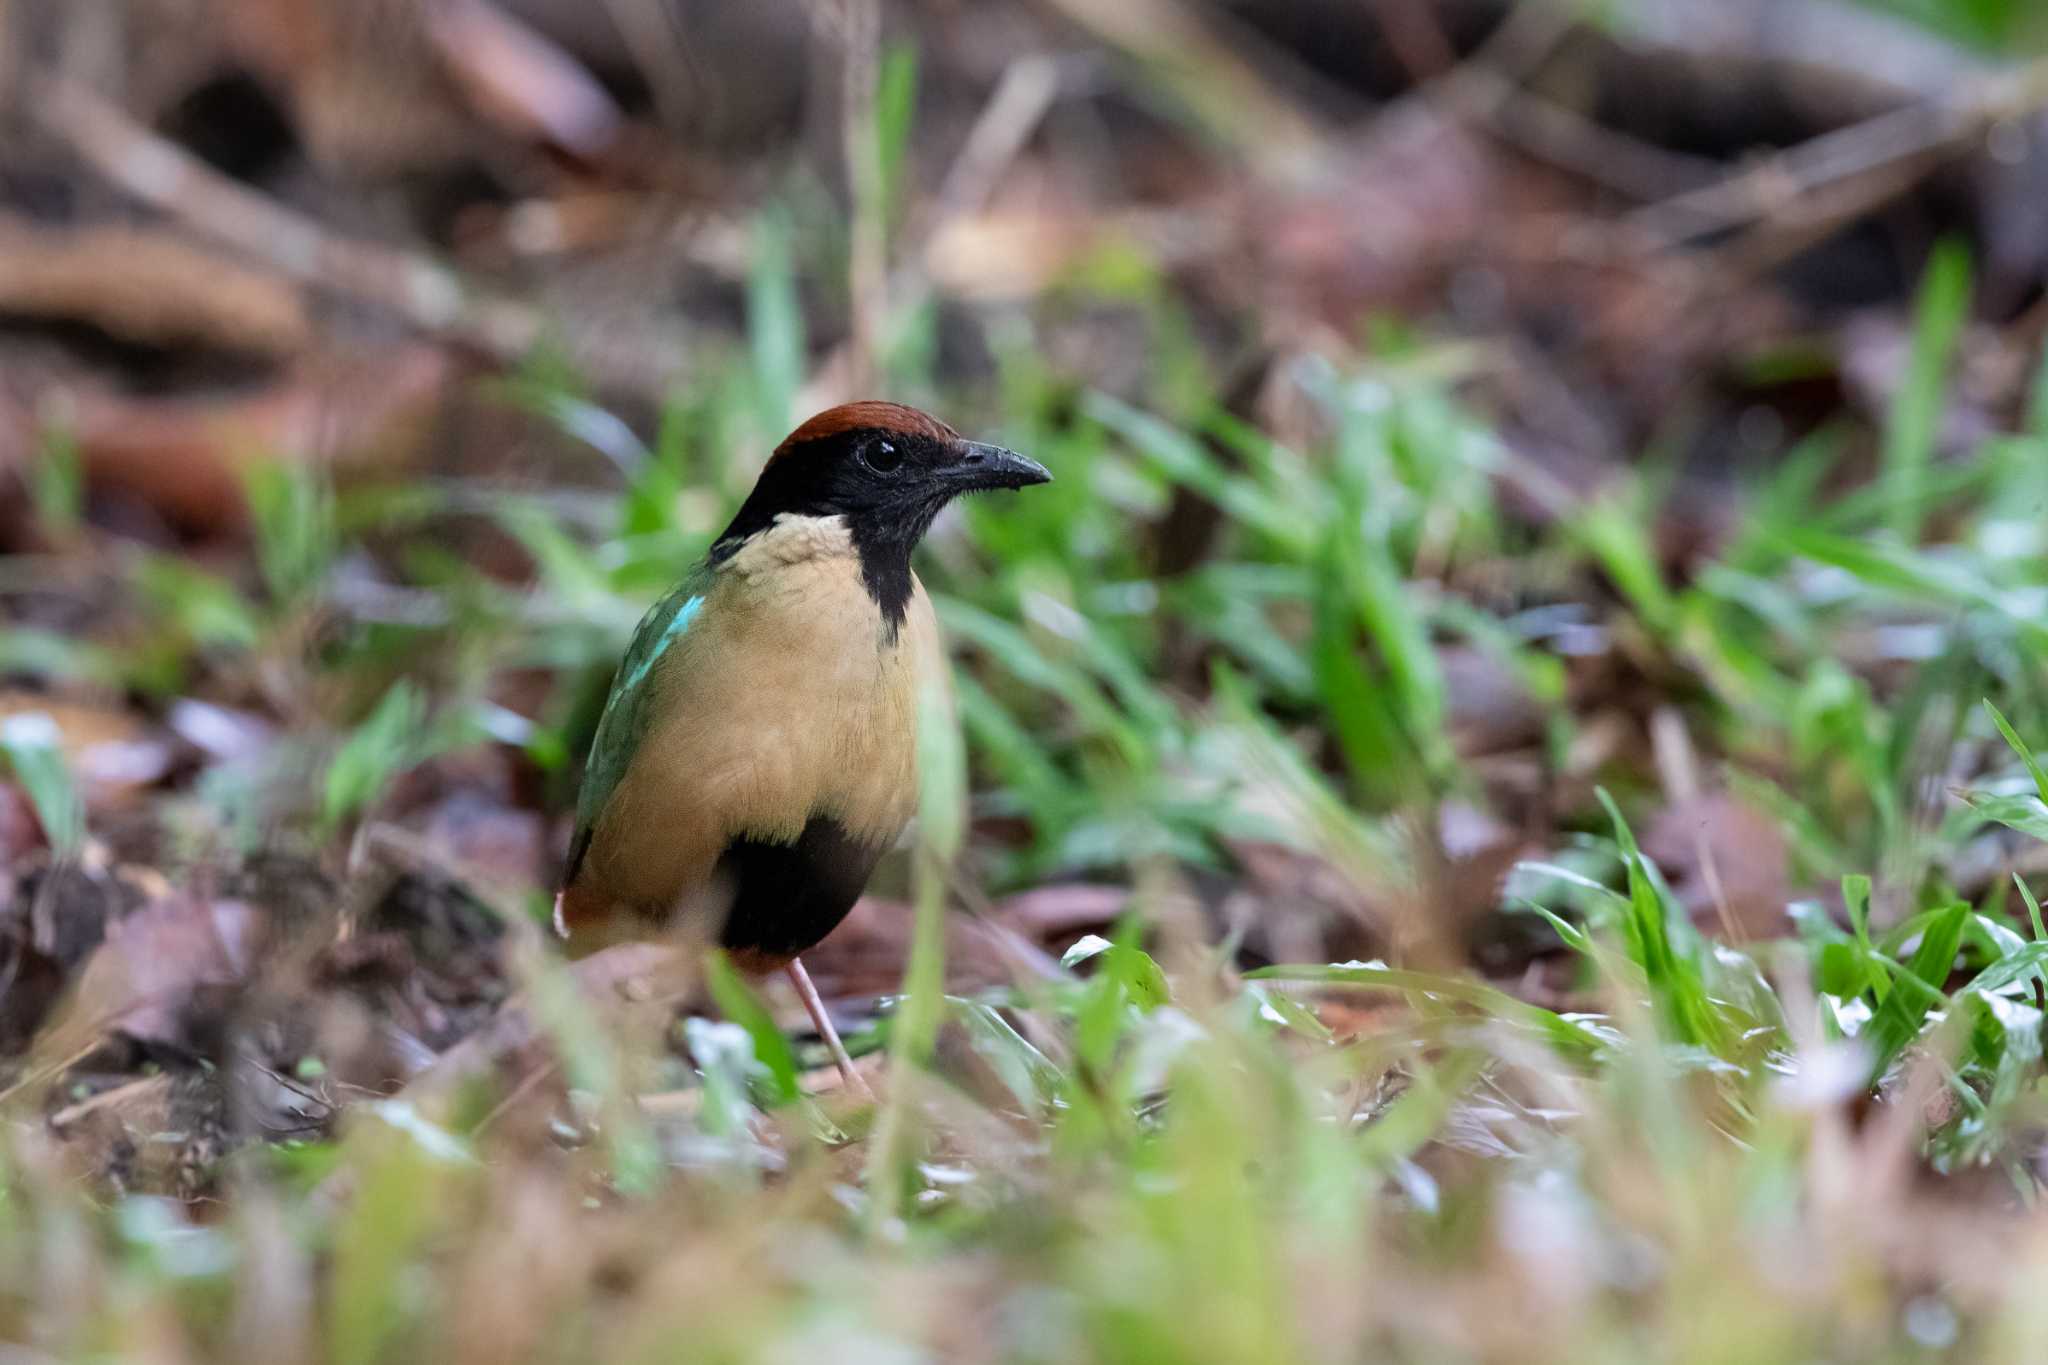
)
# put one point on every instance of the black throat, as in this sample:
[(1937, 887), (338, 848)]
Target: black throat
[(884, 519), (885, 572)]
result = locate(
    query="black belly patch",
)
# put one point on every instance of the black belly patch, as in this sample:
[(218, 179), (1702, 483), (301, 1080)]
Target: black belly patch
[(785, 897)]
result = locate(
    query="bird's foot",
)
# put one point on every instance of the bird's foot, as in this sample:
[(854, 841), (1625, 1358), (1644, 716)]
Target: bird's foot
[(815, 1007)]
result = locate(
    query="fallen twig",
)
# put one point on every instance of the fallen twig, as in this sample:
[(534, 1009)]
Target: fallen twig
[(1210, 74), (114, 1096), (1013, 112), (163, 175), (868, 250), (1879, 57), (146, 286), (1897, 146), (624, 976)]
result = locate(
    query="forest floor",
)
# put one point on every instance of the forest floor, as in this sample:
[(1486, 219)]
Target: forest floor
[(1505, 815)]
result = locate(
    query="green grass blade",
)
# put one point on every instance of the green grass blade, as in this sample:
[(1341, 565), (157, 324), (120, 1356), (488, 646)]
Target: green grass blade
[(34, 750), (2019, 746), (2027, 814), (737, 1001), (1915, 418), (775, 327), (1899, 1018), (1570, 1036)]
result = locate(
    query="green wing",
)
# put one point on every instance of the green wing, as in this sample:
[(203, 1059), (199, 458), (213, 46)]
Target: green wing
[(625, 717)]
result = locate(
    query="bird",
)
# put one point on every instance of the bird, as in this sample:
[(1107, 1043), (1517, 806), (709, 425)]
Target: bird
[(757, 753)]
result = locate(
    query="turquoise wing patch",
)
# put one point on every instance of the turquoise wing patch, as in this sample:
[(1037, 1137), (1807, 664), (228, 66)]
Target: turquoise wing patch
[(625, 718)]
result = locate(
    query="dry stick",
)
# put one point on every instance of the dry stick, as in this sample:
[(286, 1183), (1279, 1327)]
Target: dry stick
[(36, 1075), (1418, 40), (397, 850), (1811, 220), (1845, 44), (1018, 105), (306, 1093), (72, 1113), (868, 261), (1031, 967), (521, 79), (2030, 330), (632, 975), (1846, 175), (1005, 124), (1678, 771), (1678, 767), (1020, 102), (1525, 38), (1211, 74), (159, 173), (1910, 135), (1027, 959), (856, 25), (1486, 90), (519, 1091), (654, 33), (1568, 139)]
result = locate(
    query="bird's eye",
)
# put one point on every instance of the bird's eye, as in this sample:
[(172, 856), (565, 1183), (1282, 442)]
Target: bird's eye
[(882, 456)]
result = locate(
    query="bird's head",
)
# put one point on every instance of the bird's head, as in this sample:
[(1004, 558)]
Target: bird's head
[(887, 470)]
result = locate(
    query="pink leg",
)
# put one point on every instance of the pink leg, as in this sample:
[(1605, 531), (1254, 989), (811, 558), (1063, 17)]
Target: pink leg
[(815, 1007)]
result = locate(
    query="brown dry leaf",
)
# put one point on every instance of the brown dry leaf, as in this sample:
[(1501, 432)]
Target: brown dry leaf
[(20, 832), (147, 1096), (107, 1136), (1011, 253), (64, 908), (1380, 232), (185, 457), (380, 87), (147, 286), (1293, 905), (1477, 851), (367, 91), (109, 750), (1875, 350), (1056, 915), (1184, 45), (141, 979), (1726, 861), (626, 982), (485, 836), (521, 80), (866, 953), (223, 734), (1350, 1017), (1490, 707), (579, 222)]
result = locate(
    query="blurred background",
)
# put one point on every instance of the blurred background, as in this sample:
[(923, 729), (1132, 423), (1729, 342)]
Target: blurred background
[(1490, 437)]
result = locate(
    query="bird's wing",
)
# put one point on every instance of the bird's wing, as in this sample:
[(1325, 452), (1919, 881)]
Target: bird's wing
[(624, 720)]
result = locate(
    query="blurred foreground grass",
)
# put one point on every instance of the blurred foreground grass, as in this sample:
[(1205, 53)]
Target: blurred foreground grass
[(1819, 1147)]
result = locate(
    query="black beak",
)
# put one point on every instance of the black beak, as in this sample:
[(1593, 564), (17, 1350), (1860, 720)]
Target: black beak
[(984, 466)]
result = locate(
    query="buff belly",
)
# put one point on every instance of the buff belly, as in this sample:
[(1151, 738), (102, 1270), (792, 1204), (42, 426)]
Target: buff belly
[(780, 763)]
